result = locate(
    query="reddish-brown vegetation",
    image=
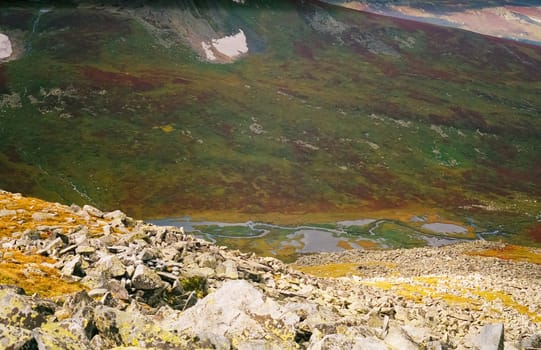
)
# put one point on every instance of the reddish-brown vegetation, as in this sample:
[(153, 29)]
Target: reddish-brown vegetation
[(303, 50), (535, 233), (104, 79), (3, 80)]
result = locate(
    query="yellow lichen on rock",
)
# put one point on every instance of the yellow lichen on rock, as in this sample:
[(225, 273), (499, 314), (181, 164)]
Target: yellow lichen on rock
[(453, 292)]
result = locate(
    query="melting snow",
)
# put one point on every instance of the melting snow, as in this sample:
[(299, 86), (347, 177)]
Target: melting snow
[(5, 46), (231, 46)]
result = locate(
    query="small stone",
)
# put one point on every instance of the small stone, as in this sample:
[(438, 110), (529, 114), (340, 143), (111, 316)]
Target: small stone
[(145, 278), (257, 345), (85, 250), (93, 211), (369, 343), (533, 341), (97, 292), (111, 266), (206, 260), (418, 334), (130, 269), (398, 339), (170, 254), (148, 254), (115, 215), (80, 236), (41, 216), (205, 272), (227, 269), (169, 277), (14, 337), (117, 289), (72, 266), (67, 249), (6, 212), (56, 243), (434, 345)]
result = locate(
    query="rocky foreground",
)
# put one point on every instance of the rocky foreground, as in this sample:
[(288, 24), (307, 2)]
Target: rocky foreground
[(79, 278)]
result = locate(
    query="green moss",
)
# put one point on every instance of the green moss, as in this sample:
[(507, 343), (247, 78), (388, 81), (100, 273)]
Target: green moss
[(195, 284)]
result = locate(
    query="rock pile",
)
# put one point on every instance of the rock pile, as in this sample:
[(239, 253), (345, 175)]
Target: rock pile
[(143, 286)]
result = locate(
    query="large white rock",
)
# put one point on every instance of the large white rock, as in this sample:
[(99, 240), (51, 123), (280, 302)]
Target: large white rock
[(5, 46), (397, 338), (235, 310), (491, 337)]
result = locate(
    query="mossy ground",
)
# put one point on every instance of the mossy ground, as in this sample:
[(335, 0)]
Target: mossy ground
[(512, 252), (30, 273), (34, 272)]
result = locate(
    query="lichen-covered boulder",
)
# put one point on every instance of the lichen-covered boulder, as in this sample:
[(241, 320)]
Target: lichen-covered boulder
[(145, 278), (14, 337), (23, 311), (110, 266), (67, 334), (132, 328)]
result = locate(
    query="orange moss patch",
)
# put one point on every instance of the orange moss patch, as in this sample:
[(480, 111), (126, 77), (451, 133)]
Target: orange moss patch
[(511, 252), (30, 273), (49, 214), (336, 270), (368, 244), (330, 270), (344, 244)]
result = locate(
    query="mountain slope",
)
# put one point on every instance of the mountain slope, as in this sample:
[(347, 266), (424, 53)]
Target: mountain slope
[(516, 20), (319, 109)]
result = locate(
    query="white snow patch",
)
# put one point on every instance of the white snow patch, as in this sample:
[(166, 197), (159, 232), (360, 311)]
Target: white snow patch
[(208, 51), (5, 46), (230, 46)]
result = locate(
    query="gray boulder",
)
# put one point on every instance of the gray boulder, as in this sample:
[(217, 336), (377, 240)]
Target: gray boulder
[(227, 269), (125, 328), (491, 337), (146, 279), (93, 211), (341, 341), (14, 337), (532, 342), (23, 311), (68, 335), (110, 266), (397, 338), (72, 265), (240, 312)]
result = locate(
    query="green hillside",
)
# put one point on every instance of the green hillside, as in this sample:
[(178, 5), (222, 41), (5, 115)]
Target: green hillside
[(331, 113)]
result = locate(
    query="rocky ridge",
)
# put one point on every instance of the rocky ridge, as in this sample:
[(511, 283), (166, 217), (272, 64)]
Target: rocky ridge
[(79, 278)]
